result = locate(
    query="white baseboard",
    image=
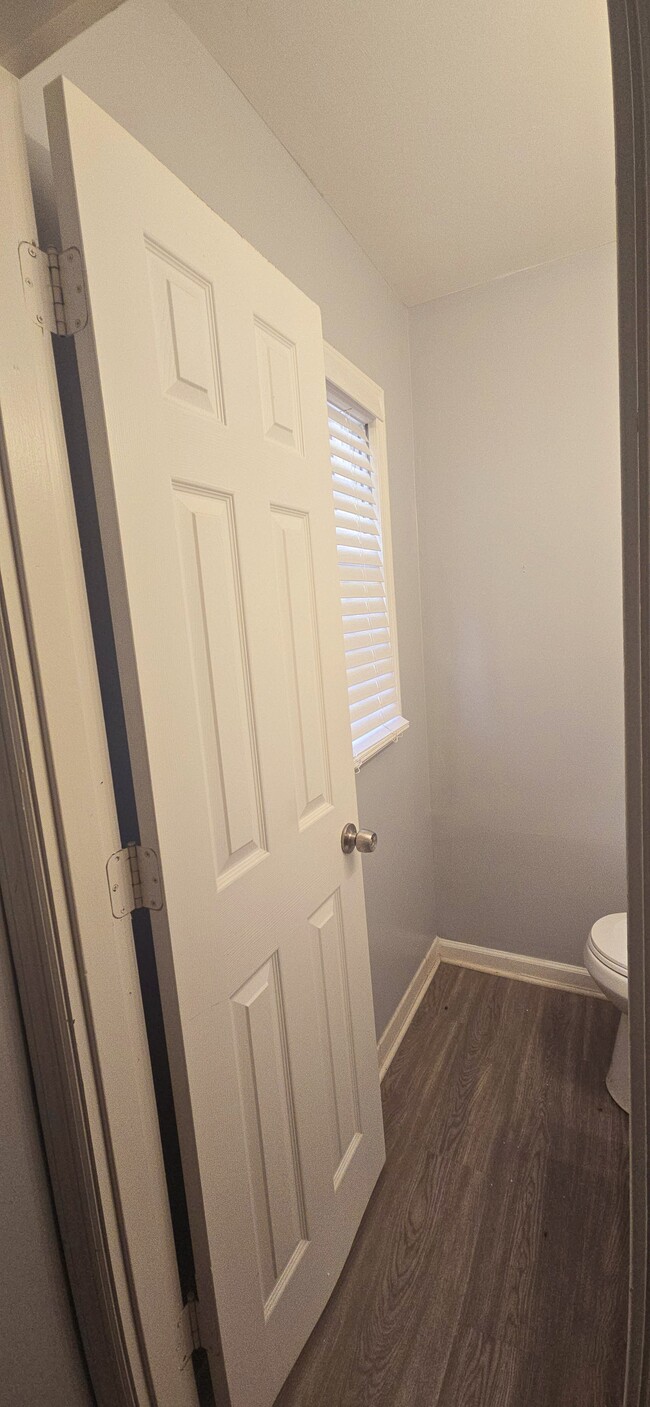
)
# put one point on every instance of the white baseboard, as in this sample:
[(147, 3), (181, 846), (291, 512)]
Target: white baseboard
[(524, 969), (540, 971), (402, 1017)]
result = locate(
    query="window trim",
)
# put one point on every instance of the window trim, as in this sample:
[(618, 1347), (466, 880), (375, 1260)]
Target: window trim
[(356, 389)]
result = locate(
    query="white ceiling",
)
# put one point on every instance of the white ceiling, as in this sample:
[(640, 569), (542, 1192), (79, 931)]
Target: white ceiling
[(458, 140)]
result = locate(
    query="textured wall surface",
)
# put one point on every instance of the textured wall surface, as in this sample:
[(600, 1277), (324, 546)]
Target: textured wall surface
[(515, 394)]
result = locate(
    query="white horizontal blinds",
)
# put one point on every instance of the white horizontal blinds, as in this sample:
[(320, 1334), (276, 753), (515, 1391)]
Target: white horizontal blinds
[(369, 655)]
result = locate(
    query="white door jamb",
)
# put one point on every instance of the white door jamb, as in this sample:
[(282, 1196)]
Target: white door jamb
[(630, 42), (75, 962)]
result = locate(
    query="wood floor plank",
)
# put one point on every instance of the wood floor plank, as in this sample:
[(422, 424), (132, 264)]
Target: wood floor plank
[(490, 1269)]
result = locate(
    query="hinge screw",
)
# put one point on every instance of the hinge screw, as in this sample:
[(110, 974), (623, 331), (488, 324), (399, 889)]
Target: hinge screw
[(28, 282), (32, 251)]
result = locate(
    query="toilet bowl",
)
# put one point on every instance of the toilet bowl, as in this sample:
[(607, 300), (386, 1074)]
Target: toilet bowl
[(606, 963)]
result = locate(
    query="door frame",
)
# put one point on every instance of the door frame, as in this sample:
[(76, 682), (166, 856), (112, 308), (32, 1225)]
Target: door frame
[(75, 963), (630, 48)]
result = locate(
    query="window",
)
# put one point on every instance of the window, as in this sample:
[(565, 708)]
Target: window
[(359, 479)]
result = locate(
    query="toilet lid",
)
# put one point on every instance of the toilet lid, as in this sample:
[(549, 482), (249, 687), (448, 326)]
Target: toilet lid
[(608, 939)]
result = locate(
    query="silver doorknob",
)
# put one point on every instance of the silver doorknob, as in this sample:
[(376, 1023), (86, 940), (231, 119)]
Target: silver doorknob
[(352, 839)]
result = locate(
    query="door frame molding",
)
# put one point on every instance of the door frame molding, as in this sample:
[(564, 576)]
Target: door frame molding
[(46, 1012), (630, 48), (75, 963)]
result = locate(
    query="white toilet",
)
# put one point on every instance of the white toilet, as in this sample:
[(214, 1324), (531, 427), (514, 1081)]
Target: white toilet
[(606, 962)]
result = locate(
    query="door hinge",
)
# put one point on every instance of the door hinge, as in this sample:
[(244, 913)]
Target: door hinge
[(134, 880), (54, 288), (191, 1322)]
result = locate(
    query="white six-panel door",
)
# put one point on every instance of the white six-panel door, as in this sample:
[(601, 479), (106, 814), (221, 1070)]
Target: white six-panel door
[(204, 390)]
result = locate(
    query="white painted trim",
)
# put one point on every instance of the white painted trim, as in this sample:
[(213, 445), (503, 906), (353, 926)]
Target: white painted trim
[(363, 393), (402, 1017), (79, 992), (519, 966), (630, 43)]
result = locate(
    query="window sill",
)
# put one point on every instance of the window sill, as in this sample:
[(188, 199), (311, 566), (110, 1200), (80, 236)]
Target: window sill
[(397, 729)]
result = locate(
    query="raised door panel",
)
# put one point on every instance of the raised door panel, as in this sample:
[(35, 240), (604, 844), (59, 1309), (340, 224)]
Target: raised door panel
[(302, 663), (222, 686), (268, 1113), (336, 1037), (186, 332), (279, 387)]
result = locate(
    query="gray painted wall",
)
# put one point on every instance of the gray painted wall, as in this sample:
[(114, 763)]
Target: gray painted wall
[(40, 1362), (516, 419), (143, 65)]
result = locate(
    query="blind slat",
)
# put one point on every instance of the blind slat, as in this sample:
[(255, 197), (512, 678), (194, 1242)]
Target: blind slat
[(356, 605), (371, 659), (352, 455), (369, 666), (351, 553), (384, 702), (357, 540), (353, 477), (360, 625), (372, 687), (349, 453), (344, 483), (351, 503), (354, 590), (367, 640), (359, 574), (349, 431)]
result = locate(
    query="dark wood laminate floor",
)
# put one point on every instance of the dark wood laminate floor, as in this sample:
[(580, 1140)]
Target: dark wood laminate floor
[(490, 1269)]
